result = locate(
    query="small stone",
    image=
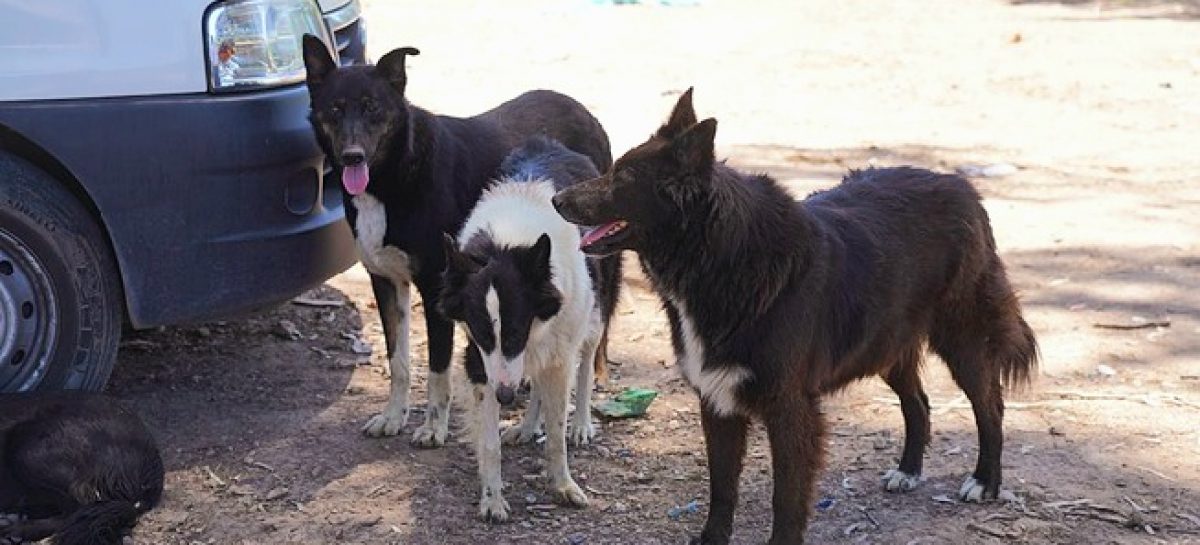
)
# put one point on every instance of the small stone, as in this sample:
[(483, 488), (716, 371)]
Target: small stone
[(286, 329), (277, 493)]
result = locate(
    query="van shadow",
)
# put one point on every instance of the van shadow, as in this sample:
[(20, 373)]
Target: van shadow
[(258, 414)]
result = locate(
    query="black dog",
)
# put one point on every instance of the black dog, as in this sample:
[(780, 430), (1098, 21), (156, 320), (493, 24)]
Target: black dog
[(77, 467), (774, 303), (410, 176)]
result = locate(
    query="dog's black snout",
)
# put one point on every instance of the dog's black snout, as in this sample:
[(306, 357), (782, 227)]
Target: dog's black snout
[(505, 395), (353, 157)]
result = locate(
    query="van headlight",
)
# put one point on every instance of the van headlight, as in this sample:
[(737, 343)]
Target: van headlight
[(257, 43)]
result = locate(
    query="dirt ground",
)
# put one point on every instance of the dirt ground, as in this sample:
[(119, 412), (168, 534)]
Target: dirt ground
[(1097, 107)]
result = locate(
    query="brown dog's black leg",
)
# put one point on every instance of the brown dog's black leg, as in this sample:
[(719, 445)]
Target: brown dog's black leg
[(725, 441), (980, 381), (905, 380), (796, 431)]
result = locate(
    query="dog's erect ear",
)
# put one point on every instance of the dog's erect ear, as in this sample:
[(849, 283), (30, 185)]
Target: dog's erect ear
[(536, 262), (391, 67), (682, 117), (454, 279), (457, 262), (693, 149), (548, 302), (317, 61)]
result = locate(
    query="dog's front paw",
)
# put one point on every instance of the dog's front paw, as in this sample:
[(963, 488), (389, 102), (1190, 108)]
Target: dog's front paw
[(581, 433), (429, 435), (569, 493), (898, 481), (519, 434), (493, 508), (386, 424), (973, 491)]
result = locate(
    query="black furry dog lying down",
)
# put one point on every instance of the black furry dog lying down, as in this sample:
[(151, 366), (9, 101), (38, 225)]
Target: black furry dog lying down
[(76, 468)]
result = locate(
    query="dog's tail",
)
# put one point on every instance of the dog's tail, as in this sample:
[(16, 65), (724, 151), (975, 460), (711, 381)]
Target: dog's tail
[(100, 523), (1017, 354)]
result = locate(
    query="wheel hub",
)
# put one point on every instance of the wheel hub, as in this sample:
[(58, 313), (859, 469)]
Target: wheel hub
[(28, 316)]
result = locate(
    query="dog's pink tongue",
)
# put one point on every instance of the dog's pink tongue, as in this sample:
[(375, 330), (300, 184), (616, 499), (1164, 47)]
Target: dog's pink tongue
[(596, 234), (355, 178)]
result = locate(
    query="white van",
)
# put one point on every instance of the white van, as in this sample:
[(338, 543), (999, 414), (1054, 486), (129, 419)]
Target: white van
[(156, 167)]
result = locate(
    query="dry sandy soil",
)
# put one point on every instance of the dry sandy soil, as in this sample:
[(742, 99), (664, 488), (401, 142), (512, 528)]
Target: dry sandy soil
[(1097, 107)]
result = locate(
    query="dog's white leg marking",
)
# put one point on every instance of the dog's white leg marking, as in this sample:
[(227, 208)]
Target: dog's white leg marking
[(492, 507), (898, 481), (391, 263), (718, 386), (554, 381), (531, 421), (437, 417), (971, 490), (582, 431)]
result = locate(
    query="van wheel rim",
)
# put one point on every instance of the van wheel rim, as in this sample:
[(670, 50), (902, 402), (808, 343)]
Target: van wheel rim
[(28, 316)]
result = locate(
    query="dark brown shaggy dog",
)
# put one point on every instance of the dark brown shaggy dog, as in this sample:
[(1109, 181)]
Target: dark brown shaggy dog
[(78, 467), (774, 303)]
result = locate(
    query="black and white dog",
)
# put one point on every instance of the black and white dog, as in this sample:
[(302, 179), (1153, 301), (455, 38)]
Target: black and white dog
[(410, 176), (77, 468), (532, 306)]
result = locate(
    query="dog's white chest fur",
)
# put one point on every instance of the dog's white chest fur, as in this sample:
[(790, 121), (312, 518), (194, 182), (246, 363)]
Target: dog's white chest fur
[(386, 261), (717, 387)]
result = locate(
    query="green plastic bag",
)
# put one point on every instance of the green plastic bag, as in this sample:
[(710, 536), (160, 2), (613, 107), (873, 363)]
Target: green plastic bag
[(627, 404)]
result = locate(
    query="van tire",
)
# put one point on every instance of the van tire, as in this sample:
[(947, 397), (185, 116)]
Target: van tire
[(60, 294)]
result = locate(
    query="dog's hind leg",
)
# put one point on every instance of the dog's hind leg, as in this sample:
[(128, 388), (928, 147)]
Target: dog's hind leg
[(441, 347), (600, 359), (986, 344), (394, 302), (725, 445), (492, 507), (582, 431), (554, 381), (797, 434), (905, 379)]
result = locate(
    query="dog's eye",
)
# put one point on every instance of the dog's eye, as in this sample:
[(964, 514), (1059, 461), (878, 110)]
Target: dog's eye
[(335, 111), (370, 106)]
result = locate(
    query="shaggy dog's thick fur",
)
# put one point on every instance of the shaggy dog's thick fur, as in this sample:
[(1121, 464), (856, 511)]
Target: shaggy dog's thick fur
[(78, 468), (774, 303)]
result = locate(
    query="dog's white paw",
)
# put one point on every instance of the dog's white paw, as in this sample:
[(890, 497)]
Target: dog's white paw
[(569, 493), (580, 434), (493, 508), (429, 435), (519, 434), (386, 424), (898, 481), (972, 491)]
